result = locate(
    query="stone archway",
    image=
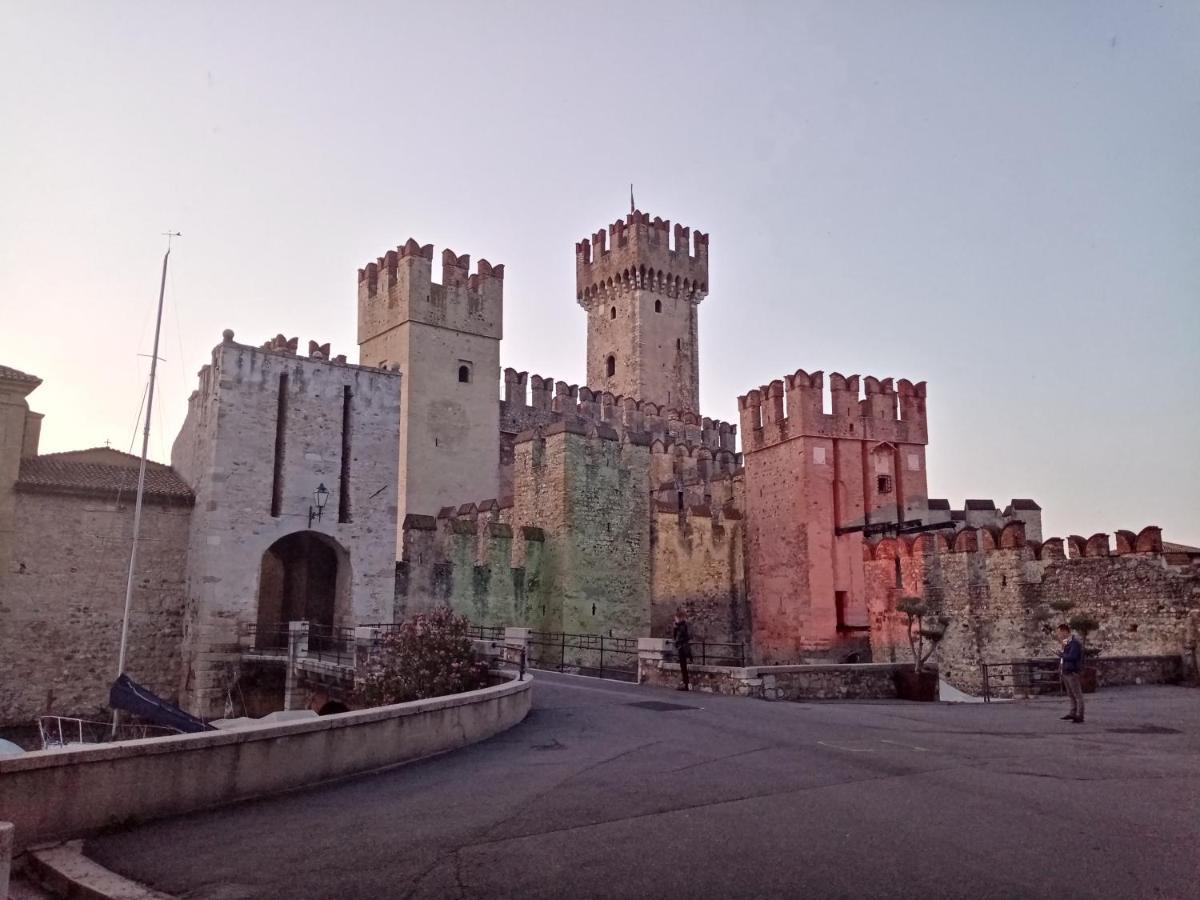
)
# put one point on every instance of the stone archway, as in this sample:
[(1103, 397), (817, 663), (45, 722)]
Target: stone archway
[(304, 575)]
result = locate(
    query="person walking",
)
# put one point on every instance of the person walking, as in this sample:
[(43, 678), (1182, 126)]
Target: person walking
[(1071, 665), (683, 646)]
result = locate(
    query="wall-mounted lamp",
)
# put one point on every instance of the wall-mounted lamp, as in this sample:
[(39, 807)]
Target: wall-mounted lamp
[(322, 496)]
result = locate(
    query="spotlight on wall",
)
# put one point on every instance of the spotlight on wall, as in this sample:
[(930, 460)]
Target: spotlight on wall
[(322, 497)]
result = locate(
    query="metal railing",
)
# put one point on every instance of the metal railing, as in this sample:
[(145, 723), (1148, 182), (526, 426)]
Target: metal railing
[(66, 731), (597, 655), (1020, 678), (714, 653)]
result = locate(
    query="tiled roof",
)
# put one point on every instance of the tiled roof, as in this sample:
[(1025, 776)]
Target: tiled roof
[(8, 373), (52, 474), (1168, 547)]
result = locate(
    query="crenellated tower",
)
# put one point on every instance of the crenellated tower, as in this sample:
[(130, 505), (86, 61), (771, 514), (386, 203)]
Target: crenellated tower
[(445, 339), (641, 290)]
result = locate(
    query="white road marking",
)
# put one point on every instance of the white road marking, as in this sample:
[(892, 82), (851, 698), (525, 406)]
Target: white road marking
[(847, 749), (908, 746)]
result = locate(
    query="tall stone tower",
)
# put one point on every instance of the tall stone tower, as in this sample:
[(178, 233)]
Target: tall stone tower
[(641, 293), (445, 339)]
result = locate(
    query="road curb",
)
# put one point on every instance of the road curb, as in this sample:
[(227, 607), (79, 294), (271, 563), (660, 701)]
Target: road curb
[(63, 869)]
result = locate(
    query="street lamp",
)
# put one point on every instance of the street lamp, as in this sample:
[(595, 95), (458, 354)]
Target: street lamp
[(322, 497)]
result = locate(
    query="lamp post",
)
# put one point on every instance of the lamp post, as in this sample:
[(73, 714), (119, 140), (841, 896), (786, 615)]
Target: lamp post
[(321, 494)]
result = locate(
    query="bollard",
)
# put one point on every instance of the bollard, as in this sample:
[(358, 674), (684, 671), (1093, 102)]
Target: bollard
[(6, 847)]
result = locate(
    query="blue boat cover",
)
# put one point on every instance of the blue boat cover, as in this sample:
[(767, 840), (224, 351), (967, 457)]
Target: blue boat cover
[(130, 696)]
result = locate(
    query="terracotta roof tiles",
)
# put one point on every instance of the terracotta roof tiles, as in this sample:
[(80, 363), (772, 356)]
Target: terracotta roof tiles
[(51, 474)]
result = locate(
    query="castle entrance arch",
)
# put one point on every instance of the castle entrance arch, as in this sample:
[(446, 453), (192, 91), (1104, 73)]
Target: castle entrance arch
[(305, 575)]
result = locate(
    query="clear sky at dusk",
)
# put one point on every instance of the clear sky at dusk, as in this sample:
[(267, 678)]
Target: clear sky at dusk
[(1000, 198)]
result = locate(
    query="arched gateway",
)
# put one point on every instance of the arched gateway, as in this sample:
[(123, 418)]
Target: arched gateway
[(305, 575)]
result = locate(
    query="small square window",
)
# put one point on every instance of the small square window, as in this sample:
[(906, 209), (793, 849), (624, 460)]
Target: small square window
[(464, 371), (883, 484)]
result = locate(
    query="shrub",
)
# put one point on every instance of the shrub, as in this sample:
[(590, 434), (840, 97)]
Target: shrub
[(430, 655)]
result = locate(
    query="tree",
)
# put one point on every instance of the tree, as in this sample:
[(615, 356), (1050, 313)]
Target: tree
[(429, 655), (917, 610)]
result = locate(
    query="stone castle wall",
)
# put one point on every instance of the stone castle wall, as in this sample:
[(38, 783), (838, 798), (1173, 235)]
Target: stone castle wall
[(697, 565), (64, 599), (996, 589), (471, 563)]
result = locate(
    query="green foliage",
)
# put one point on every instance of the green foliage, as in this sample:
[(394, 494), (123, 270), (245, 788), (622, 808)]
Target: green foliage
[(430, 655), (1084, 623), (919, 632)]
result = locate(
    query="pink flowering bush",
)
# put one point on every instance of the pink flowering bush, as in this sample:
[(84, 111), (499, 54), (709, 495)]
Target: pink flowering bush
[(429, 655)]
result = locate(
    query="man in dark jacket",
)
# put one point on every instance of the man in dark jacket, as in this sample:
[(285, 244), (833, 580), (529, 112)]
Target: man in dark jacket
[(1071, 664), (683, 646)]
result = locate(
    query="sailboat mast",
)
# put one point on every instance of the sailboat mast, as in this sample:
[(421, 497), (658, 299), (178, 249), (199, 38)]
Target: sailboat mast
[(141, 486)]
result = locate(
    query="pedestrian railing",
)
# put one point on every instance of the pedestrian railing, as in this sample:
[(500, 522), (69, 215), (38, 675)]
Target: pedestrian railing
[(598, 655), (713, 653), (1020, 678)]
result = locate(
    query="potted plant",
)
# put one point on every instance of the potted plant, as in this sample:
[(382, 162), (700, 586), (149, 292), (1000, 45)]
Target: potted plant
[(923, 639)]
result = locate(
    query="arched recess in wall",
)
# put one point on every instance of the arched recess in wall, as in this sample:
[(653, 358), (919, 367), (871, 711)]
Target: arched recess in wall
[(303, 576), (612, 313), (658, 306), (610, 366)]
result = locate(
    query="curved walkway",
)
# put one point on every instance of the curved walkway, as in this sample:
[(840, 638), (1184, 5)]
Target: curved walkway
[(602, 792)]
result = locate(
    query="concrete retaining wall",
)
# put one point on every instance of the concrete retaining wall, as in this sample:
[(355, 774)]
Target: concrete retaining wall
[(868, 681), (52, 795)]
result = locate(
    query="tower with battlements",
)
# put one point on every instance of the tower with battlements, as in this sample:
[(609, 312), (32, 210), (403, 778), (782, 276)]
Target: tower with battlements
[(641, 291), (816, 482), (445, 339)]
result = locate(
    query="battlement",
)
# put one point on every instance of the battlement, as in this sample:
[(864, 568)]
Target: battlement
[(1012, 536), (399, 287), (537, 400), (638, 253), (860, 409)]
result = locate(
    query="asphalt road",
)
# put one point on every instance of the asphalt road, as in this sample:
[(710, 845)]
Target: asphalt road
[(596, 796)]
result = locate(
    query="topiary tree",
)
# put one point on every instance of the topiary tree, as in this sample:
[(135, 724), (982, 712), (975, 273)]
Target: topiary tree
[(429, 655), (917, 611), (1085, 623)]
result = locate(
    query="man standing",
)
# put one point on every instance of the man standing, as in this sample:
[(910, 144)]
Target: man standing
[(683, 646), (1071, 664)]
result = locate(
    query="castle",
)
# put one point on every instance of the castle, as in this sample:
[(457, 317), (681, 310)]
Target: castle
[(303, 486)]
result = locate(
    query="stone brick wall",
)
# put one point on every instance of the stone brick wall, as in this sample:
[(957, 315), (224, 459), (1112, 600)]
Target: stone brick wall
[(697, 565), (996, 590), (468, 564), (64, 597), (866, 681), (589, 495), (227, 450)]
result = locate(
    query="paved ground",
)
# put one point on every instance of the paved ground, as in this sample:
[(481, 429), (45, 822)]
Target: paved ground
[(594, 796)]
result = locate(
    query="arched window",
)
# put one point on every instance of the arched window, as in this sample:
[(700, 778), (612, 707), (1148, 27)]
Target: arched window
[(610, 366), (612, 313), (464, 374), (658, 306)]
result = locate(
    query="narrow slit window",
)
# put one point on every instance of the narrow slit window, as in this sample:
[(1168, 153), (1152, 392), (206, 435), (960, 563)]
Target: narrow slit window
[(658, 306), (610, 366), (344, 478), (612, 313), (280, 435)]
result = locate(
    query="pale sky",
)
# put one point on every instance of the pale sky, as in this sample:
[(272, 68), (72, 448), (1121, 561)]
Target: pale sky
[(1001, 198)]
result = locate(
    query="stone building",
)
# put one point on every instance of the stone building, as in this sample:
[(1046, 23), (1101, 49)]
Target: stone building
[(66, 524), (519, 499)]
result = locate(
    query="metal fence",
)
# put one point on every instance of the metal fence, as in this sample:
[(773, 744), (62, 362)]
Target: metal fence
[(1020, 678), (714, 653), (598, 655)]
